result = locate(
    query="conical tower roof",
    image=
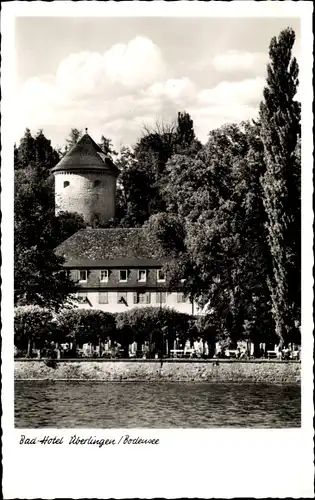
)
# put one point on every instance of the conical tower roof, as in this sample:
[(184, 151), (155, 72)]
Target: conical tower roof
[(86, 155)]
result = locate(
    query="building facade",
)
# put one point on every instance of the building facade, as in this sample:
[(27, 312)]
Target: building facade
[(117, 269), (96, 293)]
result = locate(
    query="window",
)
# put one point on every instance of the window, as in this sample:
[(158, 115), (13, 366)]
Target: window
[(160, 275), (104, 275), (142, 298), (122, 298), (66, 184), (180, 297), (82, 275), (97, 183), (161, 297), (123, 275), (103, 298), (142, 275)]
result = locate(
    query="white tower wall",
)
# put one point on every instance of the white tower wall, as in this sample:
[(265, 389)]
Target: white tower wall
[(91, 194)]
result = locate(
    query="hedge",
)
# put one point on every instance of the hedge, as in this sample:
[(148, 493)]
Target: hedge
[(78, 326)]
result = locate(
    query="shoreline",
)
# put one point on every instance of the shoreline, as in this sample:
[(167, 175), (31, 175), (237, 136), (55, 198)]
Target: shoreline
[(165, 360), (151, 370), (141, 381)]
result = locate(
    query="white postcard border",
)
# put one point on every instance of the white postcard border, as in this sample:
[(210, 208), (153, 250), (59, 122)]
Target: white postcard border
[(221, 463)]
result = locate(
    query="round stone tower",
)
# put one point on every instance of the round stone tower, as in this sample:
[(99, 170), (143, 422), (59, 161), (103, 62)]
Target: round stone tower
[(85, 182)]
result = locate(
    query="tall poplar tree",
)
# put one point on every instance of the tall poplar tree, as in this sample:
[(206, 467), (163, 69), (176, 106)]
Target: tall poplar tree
[(280, 133)]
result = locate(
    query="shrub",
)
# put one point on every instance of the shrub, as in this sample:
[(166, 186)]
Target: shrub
[(32, 324)]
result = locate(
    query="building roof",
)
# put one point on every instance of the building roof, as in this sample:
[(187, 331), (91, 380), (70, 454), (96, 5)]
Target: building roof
[(86, 155), (114, 247)]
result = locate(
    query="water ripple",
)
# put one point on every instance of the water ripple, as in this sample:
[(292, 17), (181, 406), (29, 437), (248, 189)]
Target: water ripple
[(153, 405)]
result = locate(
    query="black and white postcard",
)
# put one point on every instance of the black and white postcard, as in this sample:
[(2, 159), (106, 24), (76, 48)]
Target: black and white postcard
[(157, 332)]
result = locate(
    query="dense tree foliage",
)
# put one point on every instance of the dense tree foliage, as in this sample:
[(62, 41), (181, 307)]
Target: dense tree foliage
[(35, 151), (214, 229), (143, 171), (238, 204), (68, 224), (38, 274), (280, 131)]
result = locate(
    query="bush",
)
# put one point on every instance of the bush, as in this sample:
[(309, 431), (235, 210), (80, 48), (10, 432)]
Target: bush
[(32, 324), (85, 325)]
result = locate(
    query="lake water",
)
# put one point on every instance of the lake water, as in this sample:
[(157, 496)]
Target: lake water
[(154, 405)]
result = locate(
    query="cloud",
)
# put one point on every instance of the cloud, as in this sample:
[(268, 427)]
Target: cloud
[(137, 63), (81, 74), (116, 92), (234, 60), (175, 89), (245, 91), (210, 118), (227, 102), (87, 84)]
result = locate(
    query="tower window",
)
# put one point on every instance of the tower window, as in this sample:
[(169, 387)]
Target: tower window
[(66, 184), (97, 183)]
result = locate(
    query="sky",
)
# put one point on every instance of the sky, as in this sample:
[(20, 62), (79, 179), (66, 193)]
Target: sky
[(114, 75)]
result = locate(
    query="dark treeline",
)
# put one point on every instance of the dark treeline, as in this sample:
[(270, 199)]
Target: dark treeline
[(38, 275), (227, 212)]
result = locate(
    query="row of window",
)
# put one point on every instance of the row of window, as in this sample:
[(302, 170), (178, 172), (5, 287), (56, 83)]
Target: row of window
[(138, 297), (123, 275)]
